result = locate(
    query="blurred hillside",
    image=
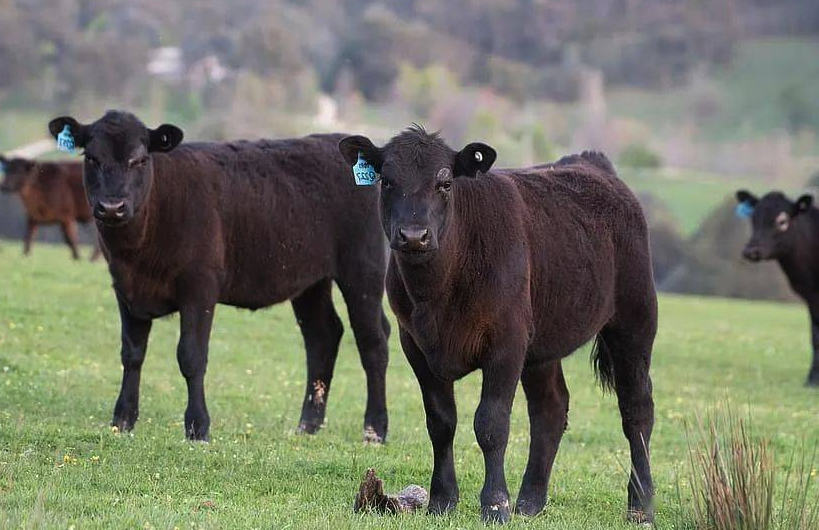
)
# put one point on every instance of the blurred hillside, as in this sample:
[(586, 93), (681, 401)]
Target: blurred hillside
[(690, 99)]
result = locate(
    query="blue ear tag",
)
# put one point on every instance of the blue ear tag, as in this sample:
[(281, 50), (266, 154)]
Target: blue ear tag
[(364, 172), (65, 140), (744, 210)]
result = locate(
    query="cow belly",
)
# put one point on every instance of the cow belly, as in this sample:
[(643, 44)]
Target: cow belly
[(264, 286)]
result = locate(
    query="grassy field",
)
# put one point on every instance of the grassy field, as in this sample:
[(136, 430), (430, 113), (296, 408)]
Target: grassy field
[(749, 91), (689, 195), (61, 466)]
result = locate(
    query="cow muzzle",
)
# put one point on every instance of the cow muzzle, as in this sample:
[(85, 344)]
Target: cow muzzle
[(413, 239), (753, 254), (111, 211)]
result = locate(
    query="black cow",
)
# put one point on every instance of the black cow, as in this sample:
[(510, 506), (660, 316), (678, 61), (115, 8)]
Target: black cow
[(788, 232), (508, 272), (248, 224)]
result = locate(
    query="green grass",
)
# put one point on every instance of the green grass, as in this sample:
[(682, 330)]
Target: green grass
[(61, 466), (689, 195)]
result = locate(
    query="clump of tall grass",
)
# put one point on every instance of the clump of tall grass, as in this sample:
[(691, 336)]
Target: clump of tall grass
[(737, 485)]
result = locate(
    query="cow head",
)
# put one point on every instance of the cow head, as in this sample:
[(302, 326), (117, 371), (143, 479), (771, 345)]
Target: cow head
[(19, 173), (118, 169), (773, 220), (419, 182)]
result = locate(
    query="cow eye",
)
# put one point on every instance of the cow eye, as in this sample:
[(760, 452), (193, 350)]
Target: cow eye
[(385, 183), (445, 186), (91, 160), (137, 162), (782, 222)]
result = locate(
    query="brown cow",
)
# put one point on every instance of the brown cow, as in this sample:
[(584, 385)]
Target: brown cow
[(52, 193), (247, 224), (508, 272)]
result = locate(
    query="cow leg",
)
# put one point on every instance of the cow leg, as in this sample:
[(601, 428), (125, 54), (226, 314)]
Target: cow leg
[(500, 379), (31, 231), (548, 402), (442, 419), (95, 255), (322, 330), (372, 331), (135, 333), (813, 375), (630, 355), (196, 319), (71, 237)]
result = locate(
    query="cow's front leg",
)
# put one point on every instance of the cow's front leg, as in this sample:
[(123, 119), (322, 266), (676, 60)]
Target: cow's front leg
[(135, 333), (442, 419), (196, 319), (813, 375), (500, 379)]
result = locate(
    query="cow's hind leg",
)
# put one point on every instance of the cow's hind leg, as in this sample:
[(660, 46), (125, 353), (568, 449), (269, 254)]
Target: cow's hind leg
[(197, 302), (548, 403), (31, 231), (624, 358), (372, 331), (322, 330), (71, 237)]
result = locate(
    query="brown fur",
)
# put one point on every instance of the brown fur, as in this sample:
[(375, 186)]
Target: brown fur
[(509, 272), (248, 224)]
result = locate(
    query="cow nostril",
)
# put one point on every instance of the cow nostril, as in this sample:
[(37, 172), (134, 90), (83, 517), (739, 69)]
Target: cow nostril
[(111, 209), (425, 236)]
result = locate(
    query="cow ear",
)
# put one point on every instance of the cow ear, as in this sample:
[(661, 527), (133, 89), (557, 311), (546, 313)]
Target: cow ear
[(802, 204), (164, 138), (746, 197), (351, 146), (78, 131), (473, 158)]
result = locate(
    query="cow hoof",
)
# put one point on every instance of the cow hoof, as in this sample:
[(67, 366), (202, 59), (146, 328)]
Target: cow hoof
[(122, 425), (529, 508), (371, 437), (496, 513), (306, 427), (198, 437), (812, 381), (197, 434), (640, 517), (441, 506)]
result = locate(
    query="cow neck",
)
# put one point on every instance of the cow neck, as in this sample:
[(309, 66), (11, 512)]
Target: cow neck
[(802, 263), (429, 281), (128, 240)]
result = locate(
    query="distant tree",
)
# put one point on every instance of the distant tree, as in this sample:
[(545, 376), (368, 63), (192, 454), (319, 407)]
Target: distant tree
[(368, 50)]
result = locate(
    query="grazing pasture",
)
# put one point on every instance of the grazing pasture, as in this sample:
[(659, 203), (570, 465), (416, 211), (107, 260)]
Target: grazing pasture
[(62, 466)]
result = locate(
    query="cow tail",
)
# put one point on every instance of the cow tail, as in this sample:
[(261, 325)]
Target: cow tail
[(602, 364)]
